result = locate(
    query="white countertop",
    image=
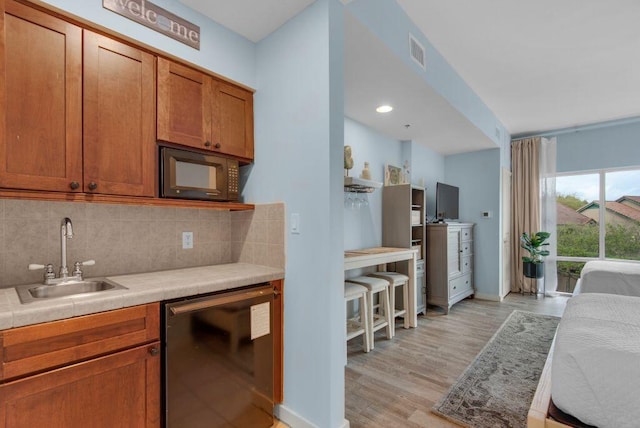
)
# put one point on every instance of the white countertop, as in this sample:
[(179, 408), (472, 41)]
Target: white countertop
[(141, 288)]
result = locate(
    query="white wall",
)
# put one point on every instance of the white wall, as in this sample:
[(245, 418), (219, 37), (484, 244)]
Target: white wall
[(298, 159), (478, 176), (363, 227), (607, 145), (427, 168)]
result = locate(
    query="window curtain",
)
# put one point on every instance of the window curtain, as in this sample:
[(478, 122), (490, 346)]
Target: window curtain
[(525, 205), (549, 210)]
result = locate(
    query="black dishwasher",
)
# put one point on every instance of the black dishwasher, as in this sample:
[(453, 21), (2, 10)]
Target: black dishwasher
[(218, 359)]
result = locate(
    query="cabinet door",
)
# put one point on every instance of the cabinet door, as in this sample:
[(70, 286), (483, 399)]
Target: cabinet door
[(184, 105), (453, 252), (119, 118), (118, 390), (40, 101), (232, 120)]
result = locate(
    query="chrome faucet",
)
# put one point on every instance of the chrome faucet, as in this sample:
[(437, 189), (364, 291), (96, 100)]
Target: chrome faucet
[(66, 232)]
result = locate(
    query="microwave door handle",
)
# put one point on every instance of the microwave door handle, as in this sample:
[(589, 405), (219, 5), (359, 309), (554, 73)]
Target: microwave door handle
[(219, 300)]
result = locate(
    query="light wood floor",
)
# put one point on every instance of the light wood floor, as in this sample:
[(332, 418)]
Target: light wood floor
[(397, 383)]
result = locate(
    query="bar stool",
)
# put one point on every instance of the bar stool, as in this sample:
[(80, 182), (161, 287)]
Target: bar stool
[(396, 280), (382, 319), (355, 328)]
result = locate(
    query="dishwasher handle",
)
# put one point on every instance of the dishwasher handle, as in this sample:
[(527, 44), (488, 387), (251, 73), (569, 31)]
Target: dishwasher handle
[(223, 299)]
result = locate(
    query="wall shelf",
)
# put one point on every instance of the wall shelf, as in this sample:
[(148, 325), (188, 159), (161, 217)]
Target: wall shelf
[(360, 185)]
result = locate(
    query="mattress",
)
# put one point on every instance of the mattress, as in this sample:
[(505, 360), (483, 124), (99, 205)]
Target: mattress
[(595, 374), (613, 277)]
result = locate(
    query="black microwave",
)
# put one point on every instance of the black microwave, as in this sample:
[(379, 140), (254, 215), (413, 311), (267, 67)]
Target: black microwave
[(191, 175)]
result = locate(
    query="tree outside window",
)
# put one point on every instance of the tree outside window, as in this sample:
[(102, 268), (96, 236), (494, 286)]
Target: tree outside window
[(583, 200)]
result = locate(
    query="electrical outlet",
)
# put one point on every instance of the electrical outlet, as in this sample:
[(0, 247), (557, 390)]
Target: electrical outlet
[(187, 240)]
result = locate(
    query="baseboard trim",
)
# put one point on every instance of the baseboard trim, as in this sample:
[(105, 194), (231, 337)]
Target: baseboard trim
[(491, 297), (291, 418)]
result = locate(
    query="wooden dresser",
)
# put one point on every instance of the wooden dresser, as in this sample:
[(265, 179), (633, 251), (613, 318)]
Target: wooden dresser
[(449, 263)]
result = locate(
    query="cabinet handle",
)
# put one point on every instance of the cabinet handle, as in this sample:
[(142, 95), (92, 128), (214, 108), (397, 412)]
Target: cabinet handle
[(207, 143), (74, 185), (93, 185), (217, 146), (154, 351)]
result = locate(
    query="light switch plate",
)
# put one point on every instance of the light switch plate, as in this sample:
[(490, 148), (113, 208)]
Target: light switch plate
[(295, 223), (187, 240)]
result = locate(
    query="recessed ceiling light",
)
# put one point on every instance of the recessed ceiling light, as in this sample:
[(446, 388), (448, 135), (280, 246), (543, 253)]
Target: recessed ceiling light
[(384, 109)]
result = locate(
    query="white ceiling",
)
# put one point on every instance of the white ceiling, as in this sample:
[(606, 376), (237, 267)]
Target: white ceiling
[(543, 64), (538, 65), (374, 75)]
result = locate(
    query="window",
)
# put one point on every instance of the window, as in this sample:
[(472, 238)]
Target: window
[(583, 200)]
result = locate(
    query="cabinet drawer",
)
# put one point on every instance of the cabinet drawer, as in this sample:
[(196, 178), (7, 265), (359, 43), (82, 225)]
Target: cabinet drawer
[(45, 346), (465, 234), (420, 266), (467, 264), (466, 248), (459, 285)]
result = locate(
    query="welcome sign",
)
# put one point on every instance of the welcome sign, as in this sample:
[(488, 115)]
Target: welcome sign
[(158, 19)]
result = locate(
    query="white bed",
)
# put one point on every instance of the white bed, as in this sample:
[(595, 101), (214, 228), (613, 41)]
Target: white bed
[(596, 360), (613, 277)]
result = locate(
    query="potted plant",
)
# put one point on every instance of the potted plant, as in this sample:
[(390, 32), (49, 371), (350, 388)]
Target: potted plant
[(532, 265)]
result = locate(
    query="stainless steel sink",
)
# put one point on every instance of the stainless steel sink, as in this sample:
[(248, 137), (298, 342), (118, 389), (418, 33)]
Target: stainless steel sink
[(33, 293)]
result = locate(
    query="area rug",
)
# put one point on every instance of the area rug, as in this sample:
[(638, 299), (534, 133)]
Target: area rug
[(497, 388)]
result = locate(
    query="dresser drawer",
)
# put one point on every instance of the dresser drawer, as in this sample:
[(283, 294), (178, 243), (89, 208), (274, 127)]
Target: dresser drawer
[(459, 285), (466, 248), (40, 347), (467, 264), (466, 234)]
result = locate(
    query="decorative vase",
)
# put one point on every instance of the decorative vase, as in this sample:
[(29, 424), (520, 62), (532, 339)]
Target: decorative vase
[(533, 270), (366, 174)]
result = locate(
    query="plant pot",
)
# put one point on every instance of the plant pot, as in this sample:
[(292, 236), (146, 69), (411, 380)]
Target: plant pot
[(533, 270)]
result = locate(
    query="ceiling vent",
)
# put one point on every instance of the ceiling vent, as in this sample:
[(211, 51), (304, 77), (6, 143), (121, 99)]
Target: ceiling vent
[(416, 51)]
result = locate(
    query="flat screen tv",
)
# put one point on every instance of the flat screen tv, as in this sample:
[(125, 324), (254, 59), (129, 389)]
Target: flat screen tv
[(446, 202)]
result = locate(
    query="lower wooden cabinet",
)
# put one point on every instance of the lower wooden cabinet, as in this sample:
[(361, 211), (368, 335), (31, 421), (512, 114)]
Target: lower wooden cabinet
[(99, 370), (118, 390)]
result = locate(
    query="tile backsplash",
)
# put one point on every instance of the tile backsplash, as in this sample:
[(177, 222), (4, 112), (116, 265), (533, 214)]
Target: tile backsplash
[(126, 239)]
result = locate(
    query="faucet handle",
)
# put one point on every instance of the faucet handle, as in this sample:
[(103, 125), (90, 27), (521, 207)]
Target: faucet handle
[(48, 270), (48, 267), (76, 267)]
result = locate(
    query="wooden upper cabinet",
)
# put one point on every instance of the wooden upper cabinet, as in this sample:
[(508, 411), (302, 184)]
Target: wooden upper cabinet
[(40, 101), (233, 120), (184, 105), (119, 118), (198, 110)]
